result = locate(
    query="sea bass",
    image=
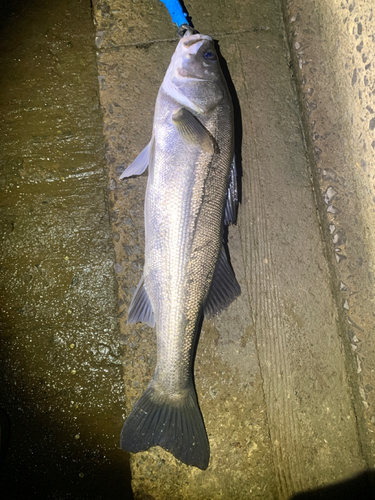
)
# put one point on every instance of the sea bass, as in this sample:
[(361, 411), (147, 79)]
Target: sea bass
[(191, 193)]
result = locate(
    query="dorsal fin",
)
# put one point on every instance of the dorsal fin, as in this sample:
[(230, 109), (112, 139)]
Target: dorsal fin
[(231, 206), (224, 288)]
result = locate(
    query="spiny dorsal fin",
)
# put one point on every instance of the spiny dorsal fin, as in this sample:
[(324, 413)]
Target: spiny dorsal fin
[(230, 215)]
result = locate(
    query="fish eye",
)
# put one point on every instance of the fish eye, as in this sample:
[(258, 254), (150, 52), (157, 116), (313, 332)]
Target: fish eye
[(209, 55)]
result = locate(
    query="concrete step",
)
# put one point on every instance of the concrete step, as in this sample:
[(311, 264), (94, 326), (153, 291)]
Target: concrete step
[(274, 382)]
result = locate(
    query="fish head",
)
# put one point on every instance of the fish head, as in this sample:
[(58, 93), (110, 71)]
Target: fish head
[(194, 78)]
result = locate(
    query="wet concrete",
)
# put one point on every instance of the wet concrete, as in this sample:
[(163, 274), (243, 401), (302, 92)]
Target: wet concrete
[(60, 375)]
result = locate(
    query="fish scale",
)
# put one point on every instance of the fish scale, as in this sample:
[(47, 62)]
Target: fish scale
[(186, 273)]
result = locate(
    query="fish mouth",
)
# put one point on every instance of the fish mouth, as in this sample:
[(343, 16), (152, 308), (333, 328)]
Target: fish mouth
[(193, 43), (191, 39)]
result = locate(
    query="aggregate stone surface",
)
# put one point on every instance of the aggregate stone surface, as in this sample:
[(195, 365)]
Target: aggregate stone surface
[(274, 385)]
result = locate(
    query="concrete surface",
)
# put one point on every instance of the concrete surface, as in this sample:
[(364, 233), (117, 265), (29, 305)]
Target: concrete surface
[(285, 375), (333, 47), (275, 387)]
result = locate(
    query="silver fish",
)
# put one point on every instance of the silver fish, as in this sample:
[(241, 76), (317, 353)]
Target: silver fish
[(191, 193)]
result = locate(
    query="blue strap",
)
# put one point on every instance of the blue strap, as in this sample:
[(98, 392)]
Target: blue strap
[(177, 14)]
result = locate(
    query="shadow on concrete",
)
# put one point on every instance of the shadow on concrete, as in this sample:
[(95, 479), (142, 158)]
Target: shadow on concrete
[(38, 461), (361, 487)]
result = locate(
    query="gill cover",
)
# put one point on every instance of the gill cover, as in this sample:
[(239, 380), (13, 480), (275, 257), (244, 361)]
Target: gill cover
[(193, 78)]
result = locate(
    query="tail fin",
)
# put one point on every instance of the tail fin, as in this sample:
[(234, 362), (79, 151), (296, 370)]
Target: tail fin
[(174, 424)]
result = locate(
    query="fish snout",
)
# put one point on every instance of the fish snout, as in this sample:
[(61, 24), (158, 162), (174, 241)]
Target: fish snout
[(191, 44)]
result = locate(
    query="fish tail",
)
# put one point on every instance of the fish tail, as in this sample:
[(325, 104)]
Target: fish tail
[(175, 424)]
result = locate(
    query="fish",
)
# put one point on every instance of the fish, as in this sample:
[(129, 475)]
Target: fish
[(191, 195)]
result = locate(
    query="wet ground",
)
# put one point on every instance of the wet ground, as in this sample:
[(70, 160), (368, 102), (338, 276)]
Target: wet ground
[(61, 381), (278, 385)]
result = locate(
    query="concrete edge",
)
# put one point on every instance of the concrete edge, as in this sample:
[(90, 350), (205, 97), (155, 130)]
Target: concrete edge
[(334, 181)]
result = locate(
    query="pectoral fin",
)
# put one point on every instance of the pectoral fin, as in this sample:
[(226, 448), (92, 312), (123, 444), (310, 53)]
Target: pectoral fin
[(140, 309), (224, 288), (192, 131), (139, 165)]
